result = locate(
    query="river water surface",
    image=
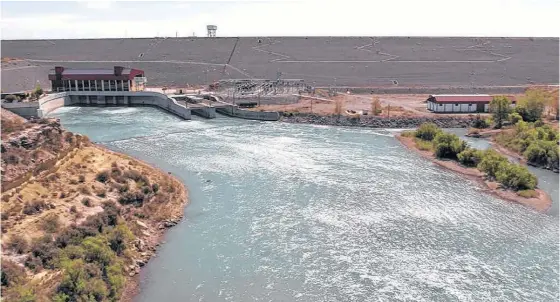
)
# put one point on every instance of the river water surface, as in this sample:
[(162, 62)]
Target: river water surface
[(286, 212)]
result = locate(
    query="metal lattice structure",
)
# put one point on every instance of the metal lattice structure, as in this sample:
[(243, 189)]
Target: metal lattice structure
[(248, 88)]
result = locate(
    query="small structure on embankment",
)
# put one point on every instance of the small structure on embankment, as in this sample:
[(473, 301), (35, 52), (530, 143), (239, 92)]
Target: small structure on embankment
[(461, 103)]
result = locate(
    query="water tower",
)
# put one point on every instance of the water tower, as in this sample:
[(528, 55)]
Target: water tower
[(211, 30)]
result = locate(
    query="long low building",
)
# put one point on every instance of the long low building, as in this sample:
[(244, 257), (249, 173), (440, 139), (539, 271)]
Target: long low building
[(116, 79), (461, 103)]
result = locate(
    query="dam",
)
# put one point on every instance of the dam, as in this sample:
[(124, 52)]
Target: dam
[(182, 109)]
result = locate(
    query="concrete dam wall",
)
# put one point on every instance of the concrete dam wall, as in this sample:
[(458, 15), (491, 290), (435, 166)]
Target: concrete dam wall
[(107, 98)]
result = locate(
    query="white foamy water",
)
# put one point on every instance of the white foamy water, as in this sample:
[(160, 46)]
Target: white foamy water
[(283, 212)]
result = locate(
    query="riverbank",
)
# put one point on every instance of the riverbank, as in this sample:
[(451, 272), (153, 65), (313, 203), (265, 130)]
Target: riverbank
[(540, 203), (513, 144), (64, 198), (377, 121)]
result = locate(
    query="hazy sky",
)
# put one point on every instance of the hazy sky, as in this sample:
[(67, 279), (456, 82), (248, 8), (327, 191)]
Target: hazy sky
[(97, 19)]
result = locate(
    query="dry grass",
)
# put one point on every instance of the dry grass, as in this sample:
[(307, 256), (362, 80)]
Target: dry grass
[(423, 145), (528, 193)]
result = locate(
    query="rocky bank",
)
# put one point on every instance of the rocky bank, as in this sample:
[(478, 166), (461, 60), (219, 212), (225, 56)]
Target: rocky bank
[(377, 122), (60, 193)]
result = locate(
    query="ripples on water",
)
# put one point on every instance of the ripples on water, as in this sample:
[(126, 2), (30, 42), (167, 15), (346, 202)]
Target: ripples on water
[(283, 212)]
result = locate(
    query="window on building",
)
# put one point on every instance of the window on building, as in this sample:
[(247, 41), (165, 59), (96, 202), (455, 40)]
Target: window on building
[(456, 104), (441, 104)]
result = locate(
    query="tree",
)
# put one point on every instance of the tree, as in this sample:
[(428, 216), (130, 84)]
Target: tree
[(470, 157), (427, 131), (542, 153), (532, 104), (514, 118), (375, 106), (118, 238), (448, 145), (338, 107), (37, 92), (515, 177), (490, 162), (500, 108)]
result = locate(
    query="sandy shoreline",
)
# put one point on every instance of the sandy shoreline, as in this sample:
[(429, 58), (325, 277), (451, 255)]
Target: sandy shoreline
[(541, 203)]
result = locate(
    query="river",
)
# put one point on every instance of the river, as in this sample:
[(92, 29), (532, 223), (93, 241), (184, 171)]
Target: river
[(288, 212)]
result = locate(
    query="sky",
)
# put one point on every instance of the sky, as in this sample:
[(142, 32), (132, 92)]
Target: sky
[(116, 19)]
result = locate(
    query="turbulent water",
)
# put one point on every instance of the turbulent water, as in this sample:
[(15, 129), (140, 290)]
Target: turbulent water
[(284, 212)]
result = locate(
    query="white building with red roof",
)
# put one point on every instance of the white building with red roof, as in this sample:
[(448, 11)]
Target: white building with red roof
[(461, 103)]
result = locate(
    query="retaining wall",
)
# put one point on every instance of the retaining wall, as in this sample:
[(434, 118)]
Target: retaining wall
[(233, 111), (204, 111), (25, 109), (432, 90)]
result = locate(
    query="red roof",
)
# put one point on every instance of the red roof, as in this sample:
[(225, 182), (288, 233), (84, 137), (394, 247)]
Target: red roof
[(463, 98), (117, 73)]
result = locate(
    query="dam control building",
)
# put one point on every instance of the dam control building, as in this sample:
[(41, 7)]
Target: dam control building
[(116, 79)]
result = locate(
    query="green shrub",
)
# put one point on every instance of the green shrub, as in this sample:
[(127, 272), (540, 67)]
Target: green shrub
[(116, 279), (45, 250), (490, 162), (532, 104), (500, 107), (427, 131), (514, 118), (119, 237), (155, 188), (515, 177), (97, 250), (542, 153), (103, 176), (448, 145), (81, 282), (470, 157), (480, 123)]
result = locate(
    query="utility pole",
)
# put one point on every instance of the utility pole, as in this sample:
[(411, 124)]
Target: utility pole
[(388, 110)]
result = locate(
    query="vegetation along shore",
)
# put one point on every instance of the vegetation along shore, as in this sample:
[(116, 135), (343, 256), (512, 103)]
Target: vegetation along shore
[(499, 176), (78, 220)]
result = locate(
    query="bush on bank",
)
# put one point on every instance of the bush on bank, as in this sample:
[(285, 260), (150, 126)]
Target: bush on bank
[(537, 144), (470, 157), (427, 131), (448, 145), (493, 164)]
